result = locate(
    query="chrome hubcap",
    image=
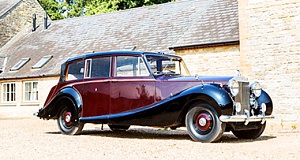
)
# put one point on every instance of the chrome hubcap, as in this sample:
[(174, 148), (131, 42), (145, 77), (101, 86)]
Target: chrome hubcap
[(202, 121), (68, 118)]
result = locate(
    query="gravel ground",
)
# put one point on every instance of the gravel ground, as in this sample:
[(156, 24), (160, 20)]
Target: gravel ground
[(32, 138)]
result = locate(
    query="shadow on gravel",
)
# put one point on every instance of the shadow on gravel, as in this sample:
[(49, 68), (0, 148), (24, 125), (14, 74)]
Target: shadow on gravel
[(140, 133), (230, 138), (152, 133)]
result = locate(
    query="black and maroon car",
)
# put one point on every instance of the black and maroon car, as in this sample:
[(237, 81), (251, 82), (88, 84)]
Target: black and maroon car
[(123, 88)]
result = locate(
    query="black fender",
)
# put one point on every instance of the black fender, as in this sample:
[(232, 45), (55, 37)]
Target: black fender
[(65, 95), (216, 96), (265, 98)]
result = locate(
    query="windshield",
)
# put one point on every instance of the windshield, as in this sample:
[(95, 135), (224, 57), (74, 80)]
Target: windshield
[(167, 65)]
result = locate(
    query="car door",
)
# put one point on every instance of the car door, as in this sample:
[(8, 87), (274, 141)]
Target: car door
[(96, 97), (132, 86)]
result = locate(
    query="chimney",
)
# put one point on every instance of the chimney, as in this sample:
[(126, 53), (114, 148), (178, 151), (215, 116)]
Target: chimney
[(34, 22), (45, 21)]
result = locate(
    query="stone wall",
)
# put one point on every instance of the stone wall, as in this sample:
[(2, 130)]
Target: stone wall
[(218, 60), (18, 17), (270, 52)]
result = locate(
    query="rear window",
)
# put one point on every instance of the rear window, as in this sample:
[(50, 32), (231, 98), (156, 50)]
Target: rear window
[(76, 70)]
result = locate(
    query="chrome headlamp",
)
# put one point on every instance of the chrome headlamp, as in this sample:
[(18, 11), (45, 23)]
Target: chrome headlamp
[(255, 88), (233, 87)]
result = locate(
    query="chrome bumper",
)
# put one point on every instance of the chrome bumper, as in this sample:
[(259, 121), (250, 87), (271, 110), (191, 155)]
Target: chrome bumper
[(246, 119)]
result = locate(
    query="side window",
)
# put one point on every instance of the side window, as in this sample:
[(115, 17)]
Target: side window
[(131, 66), (76, 70), (97, 67)]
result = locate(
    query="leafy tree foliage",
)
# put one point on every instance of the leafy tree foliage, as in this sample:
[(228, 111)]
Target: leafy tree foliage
[(74, 8)]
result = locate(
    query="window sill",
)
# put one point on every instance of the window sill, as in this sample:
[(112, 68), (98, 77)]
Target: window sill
[(7, 104), (29, 104)]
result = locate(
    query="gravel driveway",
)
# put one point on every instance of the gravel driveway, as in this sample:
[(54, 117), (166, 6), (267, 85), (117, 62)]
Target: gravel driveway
[(31, 138)]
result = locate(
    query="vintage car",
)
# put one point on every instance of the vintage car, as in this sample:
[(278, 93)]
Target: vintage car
[(123, 88)]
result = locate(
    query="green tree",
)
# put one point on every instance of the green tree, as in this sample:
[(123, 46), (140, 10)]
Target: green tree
[(75, 8)]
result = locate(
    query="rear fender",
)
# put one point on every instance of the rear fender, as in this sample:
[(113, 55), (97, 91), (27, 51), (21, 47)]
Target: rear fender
[(65, 95)]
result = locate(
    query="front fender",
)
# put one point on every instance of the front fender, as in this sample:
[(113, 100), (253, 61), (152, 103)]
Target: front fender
[(51, 110), (214, 95), (265, 98)]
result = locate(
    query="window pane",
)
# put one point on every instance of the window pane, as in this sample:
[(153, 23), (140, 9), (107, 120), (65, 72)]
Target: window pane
[(31, 91), (76, 70), (35, 84), (27, 87), (42, 62), (101, 67), (131, 66), (35, 91), (20, 64), (4, 92), (8, 92), (167, 65), (142, 68), (88, 64)]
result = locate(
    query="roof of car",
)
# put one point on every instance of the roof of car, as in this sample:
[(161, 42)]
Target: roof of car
[(109, 53)]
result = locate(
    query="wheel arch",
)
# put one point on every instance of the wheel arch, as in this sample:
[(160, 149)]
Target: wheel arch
[(216, 97), (66, 95)]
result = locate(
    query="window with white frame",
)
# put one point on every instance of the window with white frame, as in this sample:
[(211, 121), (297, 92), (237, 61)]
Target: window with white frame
[(20, 64), (8, 92), (31, 91), (42, 62)]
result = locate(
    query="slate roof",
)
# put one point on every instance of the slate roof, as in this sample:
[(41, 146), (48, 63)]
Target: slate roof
[(6, 5), (151, 28)]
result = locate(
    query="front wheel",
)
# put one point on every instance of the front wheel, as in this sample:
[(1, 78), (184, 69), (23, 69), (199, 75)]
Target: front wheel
[(68, 122), (203, 124), (250, 134)]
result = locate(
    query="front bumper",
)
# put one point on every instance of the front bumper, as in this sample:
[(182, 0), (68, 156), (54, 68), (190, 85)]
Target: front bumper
[(245, 118)]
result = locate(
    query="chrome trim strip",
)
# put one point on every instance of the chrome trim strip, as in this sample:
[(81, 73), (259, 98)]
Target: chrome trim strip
[(245, 118)]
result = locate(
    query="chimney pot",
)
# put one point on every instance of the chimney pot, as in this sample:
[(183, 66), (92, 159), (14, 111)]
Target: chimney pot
[(33, 22), (45, 21)]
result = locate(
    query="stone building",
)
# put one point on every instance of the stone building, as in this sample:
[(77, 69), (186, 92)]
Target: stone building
[(15, 15), (215, 37), (270, 52)]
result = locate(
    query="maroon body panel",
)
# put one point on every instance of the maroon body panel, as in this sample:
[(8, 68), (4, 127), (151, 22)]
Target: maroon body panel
[(131, 93), (95, 96)]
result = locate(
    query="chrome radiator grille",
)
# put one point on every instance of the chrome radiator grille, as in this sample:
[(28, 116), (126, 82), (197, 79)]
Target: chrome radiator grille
[(243, 96)]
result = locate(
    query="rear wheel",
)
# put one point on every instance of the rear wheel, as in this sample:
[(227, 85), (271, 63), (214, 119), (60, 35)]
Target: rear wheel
[(250, 134), (68, 121), (203, 124), (118, 127)]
